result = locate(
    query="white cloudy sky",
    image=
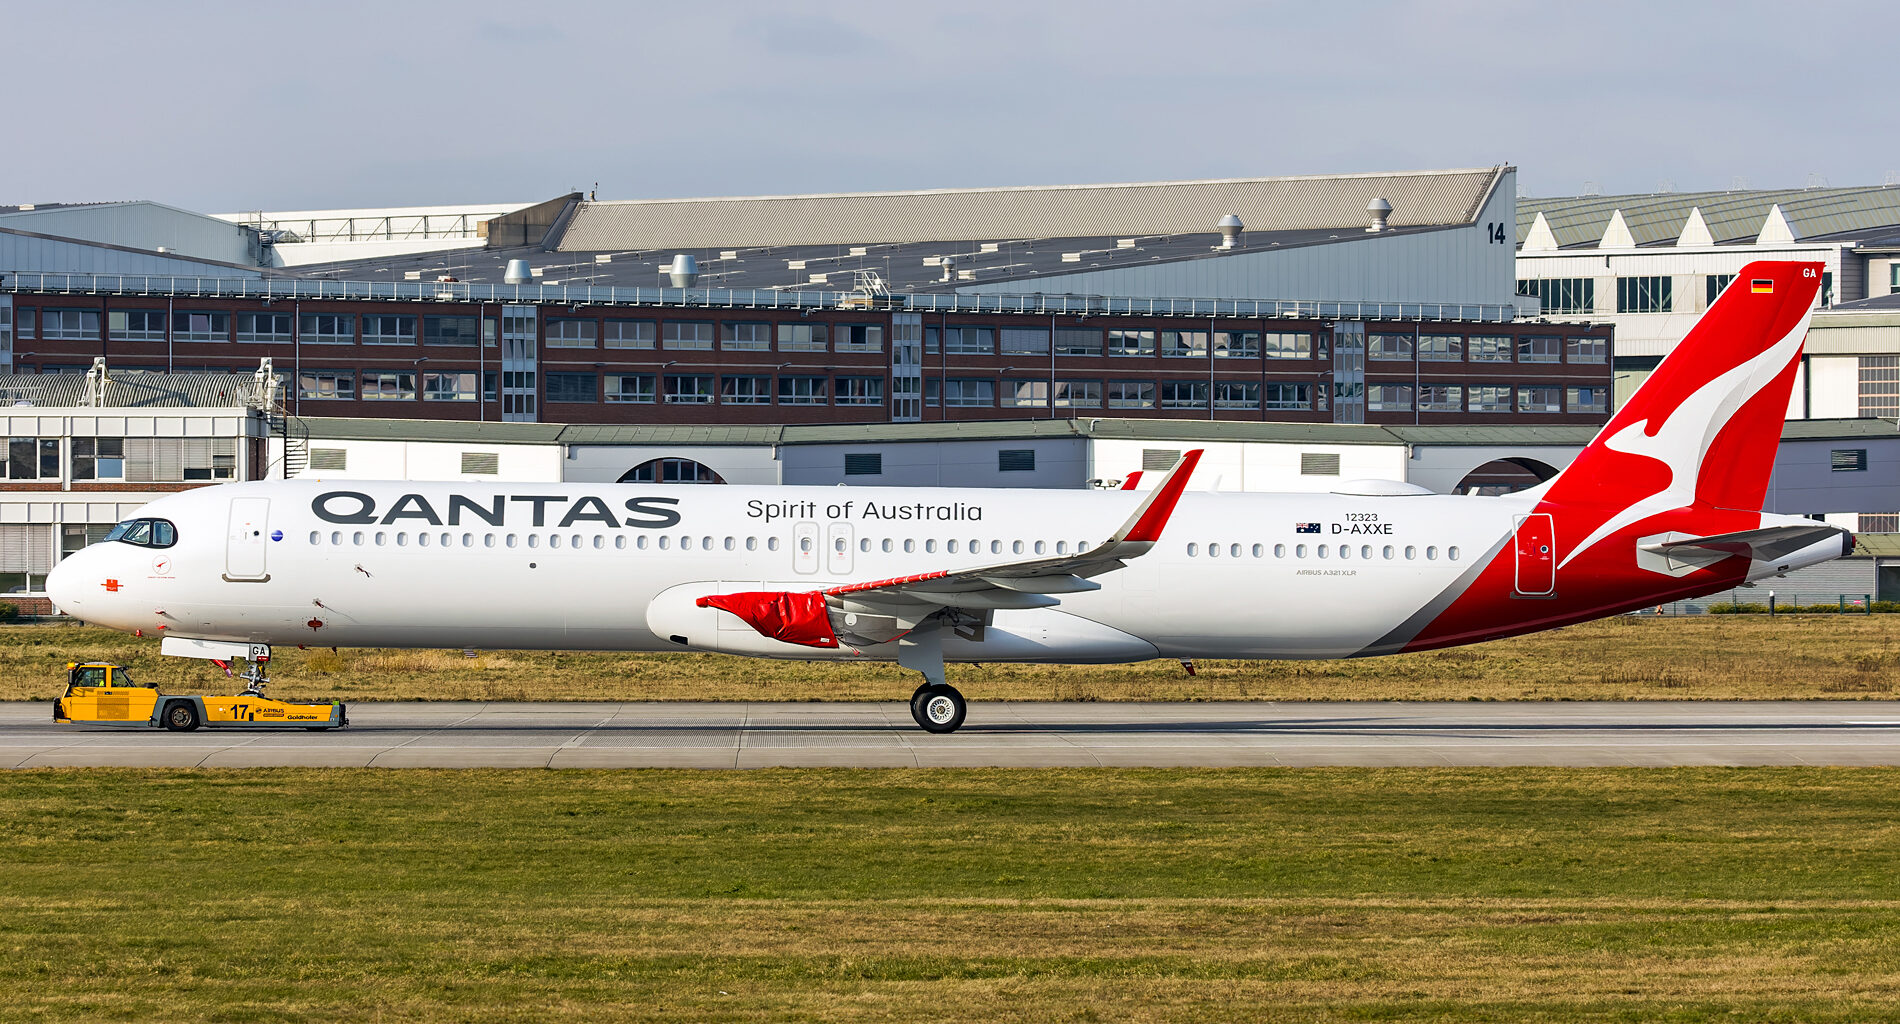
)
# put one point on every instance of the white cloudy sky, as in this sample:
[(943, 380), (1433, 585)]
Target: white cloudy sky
[(218, 107)]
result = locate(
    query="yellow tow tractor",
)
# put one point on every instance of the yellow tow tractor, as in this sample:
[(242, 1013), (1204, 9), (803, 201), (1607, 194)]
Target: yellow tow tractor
[(100, 692)]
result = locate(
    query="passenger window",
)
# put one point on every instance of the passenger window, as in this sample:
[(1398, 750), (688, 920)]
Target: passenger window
[(1193, 550), (1279, 551), (864, 545), (930, 546), (488, 540), (575, 541), (804, 544), (705, 543), (422, 539), (771, 543), (599, 542), (620, 543), (447, 540), (1410, 552), (1015, 547), (357, 538), (315, 537), (1300, 552), (910, 546), (752, 543), (1062, 547), (381, 538), (1322, 550), (468, 540), (1388, 552), (686, 543), (1233, 551), (554, 540), (1452, 553), (996, 547), (1041, 547), (1431, 552), (509, 540), (534, 540), (951, 547), (336, 537), (1213, 550), (640, 542), (663, 542), (402, 539)]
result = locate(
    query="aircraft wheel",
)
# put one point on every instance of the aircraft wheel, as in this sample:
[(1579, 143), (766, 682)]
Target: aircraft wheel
[(180, 716), (938, 708)]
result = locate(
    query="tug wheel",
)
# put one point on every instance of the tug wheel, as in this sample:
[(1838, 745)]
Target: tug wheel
[(180, 716)]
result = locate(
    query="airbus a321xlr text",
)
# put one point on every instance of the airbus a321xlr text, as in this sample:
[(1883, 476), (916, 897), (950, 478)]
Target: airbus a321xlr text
[(1664, 504)]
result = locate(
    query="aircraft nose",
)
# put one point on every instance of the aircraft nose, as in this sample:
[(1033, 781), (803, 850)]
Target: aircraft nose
[(65, 584)]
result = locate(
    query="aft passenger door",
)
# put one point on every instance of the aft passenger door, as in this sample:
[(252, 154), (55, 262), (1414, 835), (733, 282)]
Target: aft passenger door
[(1536, 555), (245, 540)]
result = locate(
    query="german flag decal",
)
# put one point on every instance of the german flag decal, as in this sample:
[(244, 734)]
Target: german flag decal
[(1761, 286)]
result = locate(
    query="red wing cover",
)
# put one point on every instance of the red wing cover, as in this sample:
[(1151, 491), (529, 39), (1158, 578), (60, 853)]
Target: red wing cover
[(795, 618)]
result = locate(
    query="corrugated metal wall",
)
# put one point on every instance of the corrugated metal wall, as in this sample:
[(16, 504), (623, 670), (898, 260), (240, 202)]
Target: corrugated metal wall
[(53, 256)]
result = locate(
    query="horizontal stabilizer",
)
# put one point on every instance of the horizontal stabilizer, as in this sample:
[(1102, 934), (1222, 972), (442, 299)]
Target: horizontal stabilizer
[(1679, 554)]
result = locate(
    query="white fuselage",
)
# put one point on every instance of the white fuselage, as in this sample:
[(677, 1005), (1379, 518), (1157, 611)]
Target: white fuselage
[(1233, 576)]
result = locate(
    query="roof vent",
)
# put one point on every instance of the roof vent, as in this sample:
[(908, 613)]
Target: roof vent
[(517, 273), (1380, 211), (949, 265), (1230, 226), (683, 271)]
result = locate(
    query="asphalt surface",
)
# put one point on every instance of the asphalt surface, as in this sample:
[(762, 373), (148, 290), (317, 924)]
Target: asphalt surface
[(687, 735)]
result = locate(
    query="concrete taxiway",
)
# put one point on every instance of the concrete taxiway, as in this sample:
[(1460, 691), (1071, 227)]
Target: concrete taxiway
[(684, 735)]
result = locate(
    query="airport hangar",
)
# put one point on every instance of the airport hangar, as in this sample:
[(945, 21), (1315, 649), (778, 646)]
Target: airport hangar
[(88, 451)]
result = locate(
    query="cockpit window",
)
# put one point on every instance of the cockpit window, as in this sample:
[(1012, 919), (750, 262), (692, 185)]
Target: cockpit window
[(145, 533)]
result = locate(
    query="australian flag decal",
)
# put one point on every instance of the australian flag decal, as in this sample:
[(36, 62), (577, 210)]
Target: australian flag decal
[(1305, 527)]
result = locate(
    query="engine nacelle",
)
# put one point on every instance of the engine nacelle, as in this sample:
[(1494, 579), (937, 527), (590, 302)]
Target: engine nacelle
[(1010, 634)]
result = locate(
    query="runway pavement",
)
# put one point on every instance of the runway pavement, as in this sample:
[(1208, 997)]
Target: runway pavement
[(561, 735)]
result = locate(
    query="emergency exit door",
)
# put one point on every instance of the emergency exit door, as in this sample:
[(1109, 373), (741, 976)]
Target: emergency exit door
[(1536, 543), (246, 539)]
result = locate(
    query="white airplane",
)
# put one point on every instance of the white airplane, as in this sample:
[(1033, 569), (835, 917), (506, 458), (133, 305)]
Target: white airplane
[(1663, 505)]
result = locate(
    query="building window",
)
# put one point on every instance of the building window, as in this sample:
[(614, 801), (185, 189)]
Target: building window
[(932, 389), (969, 341), (863, 464), (101, 458), (958, 391), (1025, 394), (388, 329), (690, 335), (803, 338), (192, 325), (264, 328), (1130, 342), (1540, 399), (1236, 344), (326, 384), (671, 471), (1490, 398), (1441, 348), (859, 337), (1131, 394), (745, 390), (630, 389), (518, 380), (1319, 463), (571, 387), (1847, 460), (491, 385), (27, 321), (689, 389), (1880, 386), (1488, 348), (1441, 398), (1586, 350), (1077, 394), (1539, 348), (1391, 348), (1184, 394), (1023, 341), (136, 324), (1281, 345), (801, 391), (32, 458), (1389, 398), (629, 334), (1561, 294), (1643, 294), (381, 387), (327, 328), (1230, 394), (1587, 400), (1184, 344), (859, 391), (565, 332), (451, 330), (1282, 397), (735, 336), (1086, 341), (1016, 460), (69, 325), (456, 386), (1714, 284), (481, 463)]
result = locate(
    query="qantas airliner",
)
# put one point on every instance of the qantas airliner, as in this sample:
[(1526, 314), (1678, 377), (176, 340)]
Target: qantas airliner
[(1664, 504)]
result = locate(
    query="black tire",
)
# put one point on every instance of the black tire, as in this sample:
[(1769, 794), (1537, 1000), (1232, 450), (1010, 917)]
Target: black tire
[(181, 716), (938, 707)]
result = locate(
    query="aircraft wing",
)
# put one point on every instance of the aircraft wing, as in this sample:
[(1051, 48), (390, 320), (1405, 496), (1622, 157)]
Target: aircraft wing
[(891, 607)]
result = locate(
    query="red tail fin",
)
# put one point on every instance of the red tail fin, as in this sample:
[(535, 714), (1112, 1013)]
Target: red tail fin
[(1702, 430)]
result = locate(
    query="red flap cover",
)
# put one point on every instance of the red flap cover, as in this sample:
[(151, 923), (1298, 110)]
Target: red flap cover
[(795, 618)]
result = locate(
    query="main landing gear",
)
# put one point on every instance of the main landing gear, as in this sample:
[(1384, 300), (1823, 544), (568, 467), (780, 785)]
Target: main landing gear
[(936, 705)]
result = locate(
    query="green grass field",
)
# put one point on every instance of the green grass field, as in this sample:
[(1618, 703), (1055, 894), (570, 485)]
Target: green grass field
[(1746, 657), (1104, 895)]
